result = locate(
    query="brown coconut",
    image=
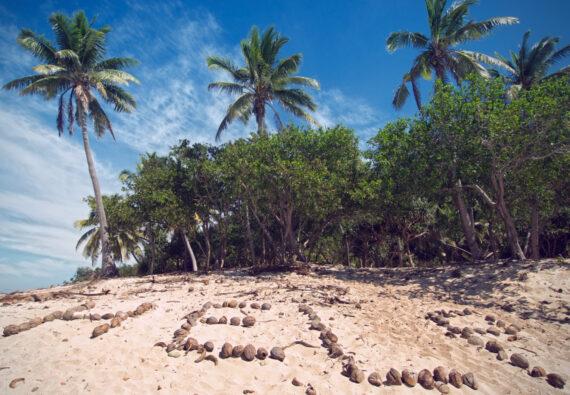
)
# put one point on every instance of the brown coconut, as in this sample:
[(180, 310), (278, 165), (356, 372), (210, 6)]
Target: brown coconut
[(226, 351), (99, 330), (248, 353)]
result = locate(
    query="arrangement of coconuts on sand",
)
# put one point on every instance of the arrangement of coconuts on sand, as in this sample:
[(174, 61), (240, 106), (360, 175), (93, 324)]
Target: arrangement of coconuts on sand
[(328, 331)]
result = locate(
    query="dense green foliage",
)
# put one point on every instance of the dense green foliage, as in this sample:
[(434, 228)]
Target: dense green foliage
[(314, 195)]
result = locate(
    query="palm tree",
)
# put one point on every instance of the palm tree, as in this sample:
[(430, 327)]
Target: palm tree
[(124, 239), (77, 68), (263, 81), (530, 66), (448, 28)]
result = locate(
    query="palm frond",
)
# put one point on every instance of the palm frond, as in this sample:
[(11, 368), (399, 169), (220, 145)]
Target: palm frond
[(101, 122), (227, 87), (304, 81), (116, 64), (297, 97), (112, 76), (39, 46), (48, 69), (20, 83), (242, 105), (122, 100), (397, 40), (400, 96), (62, 27)]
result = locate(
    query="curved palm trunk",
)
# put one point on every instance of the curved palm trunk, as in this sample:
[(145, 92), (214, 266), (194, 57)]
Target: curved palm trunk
[(189, 250), (108, 268)]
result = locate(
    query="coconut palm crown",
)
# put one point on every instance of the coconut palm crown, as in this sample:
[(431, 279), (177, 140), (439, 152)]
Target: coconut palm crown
[(448, 28), (75, 71), (263, 81), (531, 64)]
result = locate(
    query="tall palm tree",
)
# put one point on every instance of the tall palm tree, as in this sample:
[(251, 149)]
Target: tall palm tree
[(531, 65), (448, 29), (77, 68), (263, 81), (124, 239)]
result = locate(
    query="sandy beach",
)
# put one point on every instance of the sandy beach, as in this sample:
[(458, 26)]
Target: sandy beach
[(378, 316)]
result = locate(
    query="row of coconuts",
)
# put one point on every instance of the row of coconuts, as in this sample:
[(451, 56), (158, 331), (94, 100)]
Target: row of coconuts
[(119, 317), (440, 317), (181, 341), (67, 315)]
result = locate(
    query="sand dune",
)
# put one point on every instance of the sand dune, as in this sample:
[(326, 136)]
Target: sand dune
[(379, 317)]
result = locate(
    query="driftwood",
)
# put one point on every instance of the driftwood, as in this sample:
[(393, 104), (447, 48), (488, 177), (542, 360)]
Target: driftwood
[(302, 343)]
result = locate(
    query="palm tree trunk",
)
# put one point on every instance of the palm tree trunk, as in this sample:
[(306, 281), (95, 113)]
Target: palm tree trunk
[(259, 109), (190, 251), (108, 268)]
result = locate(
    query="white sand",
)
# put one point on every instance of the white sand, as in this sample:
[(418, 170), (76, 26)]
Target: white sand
[(389, 330)]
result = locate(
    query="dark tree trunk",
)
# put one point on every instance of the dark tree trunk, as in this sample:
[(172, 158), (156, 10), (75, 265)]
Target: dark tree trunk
[(535, 230), (248, 234), (466, 223), (501, 205)]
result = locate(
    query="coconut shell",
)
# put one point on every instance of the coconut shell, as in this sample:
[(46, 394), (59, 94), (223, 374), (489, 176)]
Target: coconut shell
[(470, 381), (248, 321), (425, 379), (191, 344), (248, 353), (255, 306), (211, 320), (455, 378), (10, 330), (277, 353), (266, 306), (235, 321), (232, 303), (115, 322), (393, 377), (375, 379), (107, 316), (207, 305), (209, 346), (99, 330), (223, 320), (237, 351), (555, 380), (409, 378), (356, 376), (440, 374), (261, 353), (226, 351), (335, 351), (89, 304)]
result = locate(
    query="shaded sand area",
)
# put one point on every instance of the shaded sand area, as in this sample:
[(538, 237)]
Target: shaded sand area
[(383, 319)]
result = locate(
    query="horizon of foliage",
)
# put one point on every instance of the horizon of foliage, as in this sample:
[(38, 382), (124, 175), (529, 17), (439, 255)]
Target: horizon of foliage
[(312, 195)]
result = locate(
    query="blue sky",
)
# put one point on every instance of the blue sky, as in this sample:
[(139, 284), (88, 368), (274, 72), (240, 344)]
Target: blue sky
[(43, 178)]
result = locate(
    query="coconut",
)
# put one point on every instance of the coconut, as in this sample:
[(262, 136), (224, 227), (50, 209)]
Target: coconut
[(58, 314), (226, 351), (123, 316), (171, 346), (237, 351), (10, 330), (115, 322), (211, 320), (393, 377), (180, 332), (235, 321), (94, 317), (242, 305), (440, 374), (232, 303), (266, 306), (99, 330), (209, 346), (89, 304), (317, 326), (255, 306), (223, 320), (356, 376), (296, 382), (191, 344), (248, 321), (426, 379), (455, 378), (375, 379), (470, 381), (160, 344), (335, 351), (277, 353), (248, 353), (261, 353), (409, 378), (107, 316), (207, 305)]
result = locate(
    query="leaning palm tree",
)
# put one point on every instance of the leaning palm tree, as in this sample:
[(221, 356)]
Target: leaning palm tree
[(77, 68), (531, 65), (124, 239), (263, 81), (448, 28)]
